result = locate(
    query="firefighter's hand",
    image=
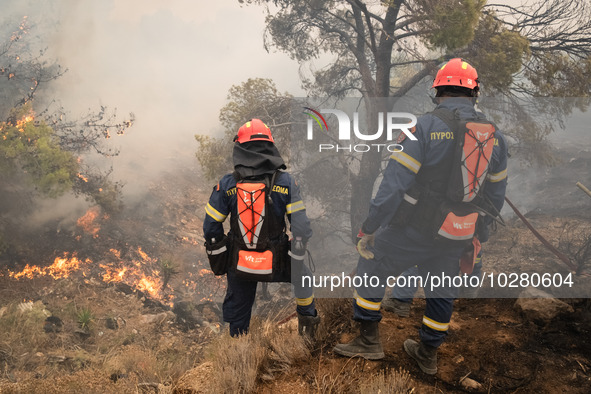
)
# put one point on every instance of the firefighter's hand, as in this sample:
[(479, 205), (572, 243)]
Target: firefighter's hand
[(298, 246), (365, 241)]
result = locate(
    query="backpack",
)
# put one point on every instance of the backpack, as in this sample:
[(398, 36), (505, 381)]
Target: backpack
[(475, 139), (474, 143), (443, 203), (259, 238)]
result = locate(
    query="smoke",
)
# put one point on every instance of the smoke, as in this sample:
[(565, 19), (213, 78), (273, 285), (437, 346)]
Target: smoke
[(170, 63), (551, 189)]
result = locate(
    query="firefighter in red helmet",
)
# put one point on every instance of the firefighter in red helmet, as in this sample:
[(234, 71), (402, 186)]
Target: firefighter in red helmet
[(258, 196), (427, 211), (457, 73), (461, 75)]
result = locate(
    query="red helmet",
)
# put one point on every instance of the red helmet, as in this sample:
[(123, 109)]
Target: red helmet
[(254, 130), (457, 72)]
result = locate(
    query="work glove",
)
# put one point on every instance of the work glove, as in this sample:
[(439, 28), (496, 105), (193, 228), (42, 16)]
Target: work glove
[(298, 246), (365, 240), (468, 257)]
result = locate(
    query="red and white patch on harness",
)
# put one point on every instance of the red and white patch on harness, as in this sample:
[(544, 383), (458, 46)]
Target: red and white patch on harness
[(402, 135)]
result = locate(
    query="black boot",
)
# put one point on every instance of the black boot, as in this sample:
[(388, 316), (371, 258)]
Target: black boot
[(400, 308), (424, 355), (366, 345), (307, 326)]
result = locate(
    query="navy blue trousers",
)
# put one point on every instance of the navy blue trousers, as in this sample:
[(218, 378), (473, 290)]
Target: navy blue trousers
[(395, 251), (407, 293), (240, 296)]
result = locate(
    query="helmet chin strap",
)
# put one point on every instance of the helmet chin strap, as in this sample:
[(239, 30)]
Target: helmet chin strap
[(437, 99)]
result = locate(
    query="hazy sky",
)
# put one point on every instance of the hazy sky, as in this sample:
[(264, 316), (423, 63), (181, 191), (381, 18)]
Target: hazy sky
[(171, 63), (172, 60)]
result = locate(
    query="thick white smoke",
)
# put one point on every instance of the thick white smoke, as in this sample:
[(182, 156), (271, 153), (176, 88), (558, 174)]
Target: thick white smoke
[(170, 63)]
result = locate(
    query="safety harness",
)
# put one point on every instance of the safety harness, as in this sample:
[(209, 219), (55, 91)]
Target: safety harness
[(259, 241), (446, 201)]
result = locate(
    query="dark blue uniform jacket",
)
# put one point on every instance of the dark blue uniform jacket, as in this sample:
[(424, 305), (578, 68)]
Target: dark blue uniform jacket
[(434, 144), (286, 201)]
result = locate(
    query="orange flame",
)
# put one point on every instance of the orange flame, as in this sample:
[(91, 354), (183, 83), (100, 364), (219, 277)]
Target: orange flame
[(137, 273), (143, 254), (21, 123), (62, 267), (87, 222), (136, 276)]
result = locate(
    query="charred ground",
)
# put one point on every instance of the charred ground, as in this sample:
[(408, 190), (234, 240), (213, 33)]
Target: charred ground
[(115, 336)]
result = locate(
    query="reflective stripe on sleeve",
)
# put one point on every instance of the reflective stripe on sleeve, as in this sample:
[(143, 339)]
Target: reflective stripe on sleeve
[(294, 207), (410, 200), (434, 324), (366, 304), (214, 214), (304, 301), (407, 161), (497, 177), (215, 252), (296, 256)]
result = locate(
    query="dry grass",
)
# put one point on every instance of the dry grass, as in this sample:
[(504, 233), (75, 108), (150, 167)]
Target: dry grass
[(337, 314), (88, 381), (339, 375), (134, 360), (22, 336), (393, 382), (575, 241), (135, 352), (238, 365), (196, 380)]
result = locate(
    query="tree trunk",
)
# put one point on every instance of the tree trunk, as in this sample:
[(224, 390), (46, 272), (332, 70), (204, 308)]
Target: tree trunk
[(370, 166)]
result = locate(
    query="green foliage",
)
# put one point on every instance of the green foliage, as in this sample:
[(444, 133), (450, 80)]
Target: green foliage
[(257, 97), (556, 75), (449, 24), (85, 318), (102, 191), (497, 53), (168, 269), (214, 155), (30, 147), (47, 153), (291, 30), (370, 42)]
